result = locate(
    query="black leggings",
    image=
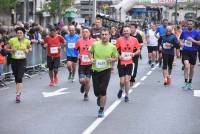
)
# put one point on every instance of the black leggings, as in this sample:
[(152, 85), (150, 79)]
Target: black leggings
[(168, 61), (135, 60), (18, 68), (100, 82)]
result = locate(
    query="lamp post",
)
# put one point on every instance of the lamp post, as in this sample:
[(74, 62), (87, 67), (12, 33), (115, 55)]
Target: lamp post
[(94, 10), (175, 17)]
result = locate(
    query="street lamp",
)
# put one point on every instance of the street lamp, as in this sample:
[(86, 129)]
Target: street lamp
[(175, 19)]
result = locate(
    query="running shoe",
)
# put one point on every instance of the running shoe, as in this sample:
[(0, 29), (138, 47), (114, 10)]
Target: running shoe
[(86, 97), (51, 84), (100, 114), (70, 76), (185, 86), (98, 101), (18, 99), (56, 80), (152, 65), (82, 89), (189, 86), (169, 80), (165, 82), (119, 95), (126, 99)]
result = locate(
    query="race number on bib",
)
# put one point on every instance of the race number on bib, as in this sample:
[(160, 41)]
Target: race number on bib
[(126, 56), (85, 58), (113, 41), (101, 63), (71, 45), (188, 43), (166, 45), (53, 50), (20, 54)]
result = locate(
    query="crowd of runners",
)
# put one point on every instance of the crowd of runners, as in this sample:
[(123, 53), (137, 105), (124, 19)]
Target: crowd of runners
[(95, 51)]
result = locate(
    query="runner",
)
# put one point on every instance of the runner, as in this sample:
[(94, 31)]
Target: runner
[(161, 30), (189, 40), (96, 30), (85, 72), (135, 33), (128, 48), (103, 53), (53, 43), (71, 52), (152, 45), (169, 42), (19, 47)]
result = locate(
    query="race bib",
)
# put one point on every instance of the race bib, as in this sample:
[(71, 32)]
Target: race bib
[(71, 45), (113, 41), (85, 58), (126, 56), (20, 54), (188, 43), (166, 45), (53, 50), (101, 63)]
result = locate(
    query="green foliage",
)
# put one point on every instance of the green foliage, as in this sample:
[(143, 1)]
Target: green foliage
[(6, 5), (56, 7)]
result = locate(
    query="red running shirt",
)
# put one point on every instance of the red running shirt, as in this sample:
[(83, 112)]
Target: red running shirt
[(84, 50), (126, 48), (54, 45)]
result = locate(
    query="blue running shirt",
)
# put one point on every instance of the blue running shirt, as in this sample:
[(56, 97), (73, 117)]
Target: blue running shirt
[(71, 40), (189, 46)]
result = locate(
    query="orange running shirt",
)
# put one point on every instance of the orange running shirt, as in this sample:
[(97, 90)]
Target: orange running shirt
[(84, 50), (126, 48)]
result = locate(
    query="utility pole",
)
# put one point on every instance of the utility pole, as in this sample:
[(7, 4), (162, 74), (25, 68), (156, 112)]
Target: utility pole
[(26, 10), (175, 17), (94, 10)]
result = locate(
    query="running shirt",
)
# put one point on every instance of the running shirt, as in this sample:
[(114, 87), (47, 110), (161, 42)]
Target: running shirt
[(126, 48), (168, 44), (113, 39), (161, 30), (188, 45), (71, 50), (84, 47), (54, 45), (96, 33), (20, 47), (101, 53), (152, 40)]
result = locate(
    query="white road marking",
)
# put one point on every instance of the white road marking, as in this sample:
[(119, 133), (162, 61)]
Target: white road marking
[(98, 121), (149, 73), (197, 93), (55, 93), (143, 78), (92, 127)]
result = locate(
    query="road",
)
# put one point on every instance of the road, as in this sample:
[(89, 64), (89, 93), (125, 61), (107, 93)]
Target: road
[(153, 107)]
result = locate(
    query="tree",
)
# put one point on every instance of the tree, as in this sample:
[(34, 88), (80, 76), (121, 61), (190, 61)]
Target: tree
[(6, 5), (57, 7)]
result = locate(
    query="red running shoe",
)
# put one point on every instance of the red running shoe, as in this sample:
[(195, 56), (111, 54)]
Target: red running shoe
[(51, 84), (169, 80)]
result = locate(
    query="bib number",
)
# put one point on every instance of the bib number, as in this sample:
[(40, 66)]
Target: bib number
[(71, 45), (85, 58), (126, 56), (166, 45), (20, 54), (113, 41), (188, 43), (53, 50), (101, 63)]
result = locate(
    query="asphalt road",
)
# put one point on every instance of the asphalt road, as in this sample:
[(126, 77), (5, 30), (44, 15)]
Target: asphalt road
[(153, 107)]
